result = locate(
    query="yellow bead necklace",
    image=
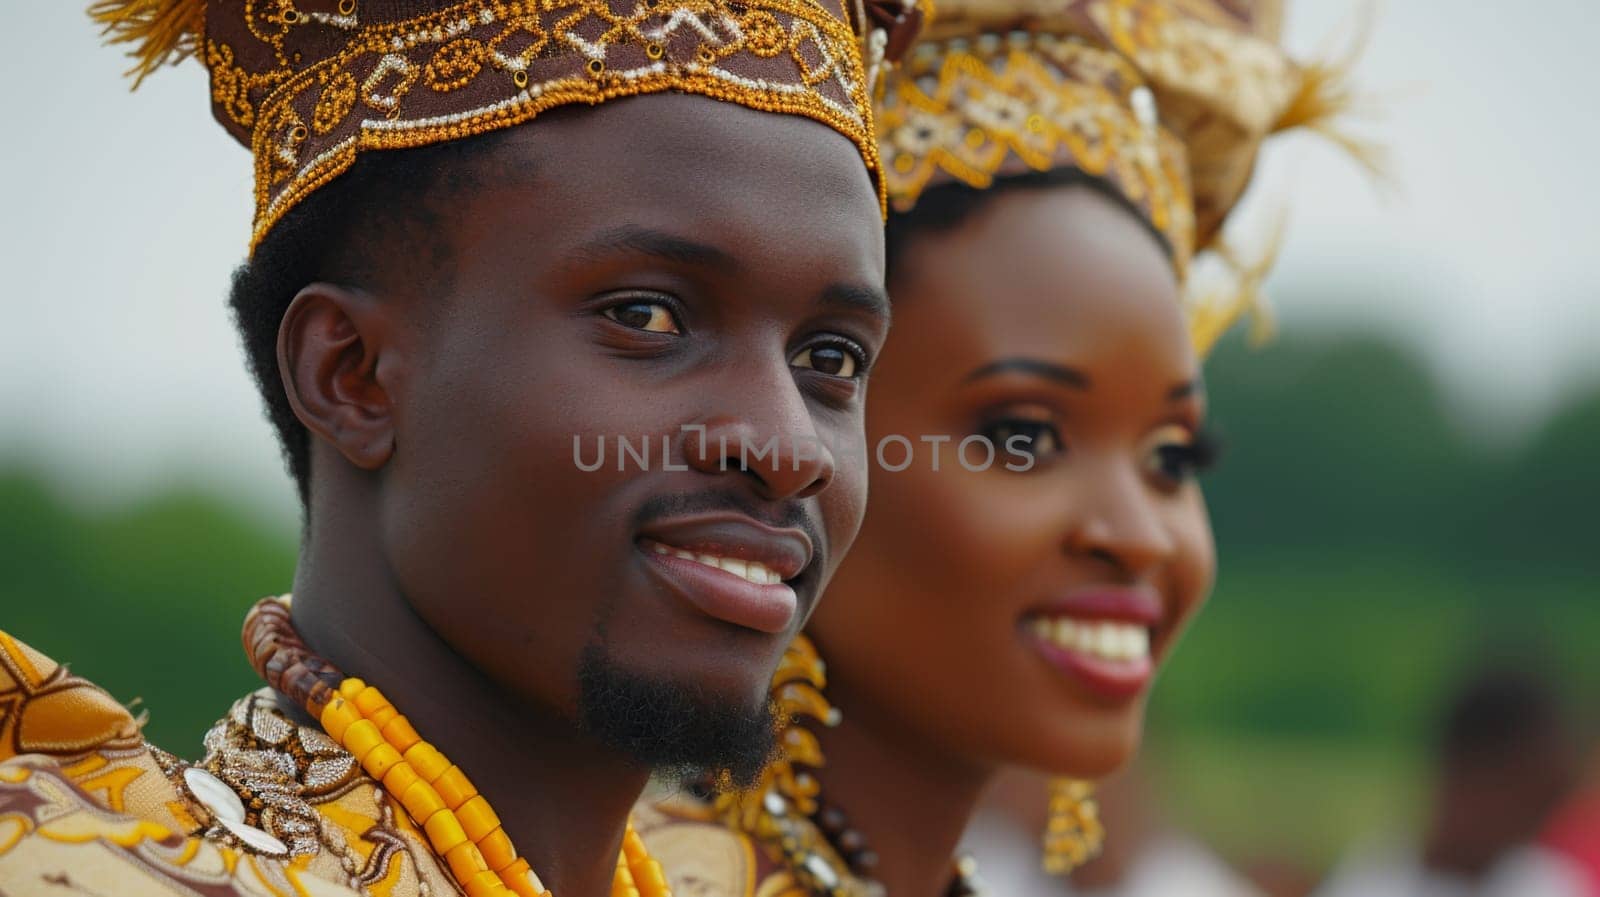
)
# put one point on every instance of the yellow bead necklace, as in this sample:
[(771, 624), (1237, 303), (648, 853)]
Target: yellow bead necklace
[(459, 823)]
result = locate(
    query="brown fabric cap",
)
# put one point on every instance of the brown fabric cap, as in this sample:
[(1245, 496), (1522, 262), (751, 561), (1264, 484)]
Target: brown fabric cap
[(307, 85)]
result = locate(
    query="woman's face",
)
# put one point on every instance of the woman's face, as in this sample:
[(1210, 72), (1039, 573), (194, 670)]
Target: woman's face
[(1006, 617)]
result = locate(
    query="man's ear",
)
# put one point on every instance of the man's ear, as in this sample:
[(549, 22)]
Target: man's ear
[(329, 347)]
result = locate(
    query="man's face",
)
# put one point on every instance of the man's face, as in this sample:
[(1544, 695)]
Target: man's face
[(672, 271)]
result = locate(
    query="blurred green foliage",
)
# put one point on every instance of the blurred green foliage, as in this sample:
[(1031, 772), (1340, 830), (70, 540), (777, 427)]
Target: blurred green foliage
[(1370, 550), (146, 601)]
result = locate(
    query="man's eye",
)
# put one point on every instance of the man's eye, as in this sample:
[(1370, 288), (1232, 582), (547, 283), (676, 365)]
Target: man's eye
[(653, 317), (836, 360)]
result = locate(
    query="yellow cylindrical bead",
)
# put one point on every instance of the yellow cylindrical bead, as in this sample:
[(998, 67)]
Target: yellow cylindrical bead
[(368, 700), (383, 715), (361, 738), (624, 875), (476, 816), (453, 786), (521, 879), (399, 733), (444, 831), (421, 801), (380, 760), (496, 846), (351, 687), (650, 877), (427, 761), (338, 717), (399, 778), (633, 846), (485, 884), (465, 861)]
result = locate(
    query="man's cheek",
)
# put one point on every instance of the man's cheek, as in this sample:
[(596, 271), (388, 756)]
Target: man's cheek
[(845, 502)]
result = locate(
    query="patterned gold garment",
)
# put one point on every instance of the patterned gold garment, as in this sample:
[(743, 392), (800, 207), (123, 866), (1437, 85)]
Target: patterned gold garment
[(275, 808), (715, 861)]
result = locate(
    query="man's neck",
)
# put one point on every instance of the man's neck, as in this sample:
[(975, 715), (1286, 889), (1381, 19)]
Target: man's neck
[(561, 797), (910, 803)]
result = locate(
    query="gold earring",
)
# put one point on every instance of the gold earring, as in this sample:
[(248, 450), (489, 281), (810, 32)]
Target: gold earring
[(1073, 833)]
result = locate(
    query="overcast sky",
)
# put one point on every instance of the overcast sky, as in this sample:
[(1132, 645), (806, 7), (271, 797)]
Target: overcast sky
[(122, 214)]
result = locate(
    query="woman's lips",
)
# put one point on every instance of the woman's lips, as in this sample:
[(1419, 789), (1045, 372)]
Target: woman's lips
[(1109, 657), (1100, 638), (743, 592)]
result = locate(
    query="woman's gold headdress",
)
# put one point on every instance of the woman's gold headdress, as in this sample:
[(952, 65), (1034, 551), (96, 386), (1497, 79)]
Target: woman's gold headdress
[(310, 84), (1165, 100)]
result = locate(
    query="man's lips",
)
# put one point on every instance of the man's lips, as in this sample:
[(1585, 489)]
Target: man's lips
[(736, 537), (730, 567)]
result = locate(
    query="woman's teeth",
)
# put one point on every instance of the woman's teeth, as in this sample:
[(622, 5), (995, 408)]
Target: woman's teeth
[(1104, 639), (749, 571)]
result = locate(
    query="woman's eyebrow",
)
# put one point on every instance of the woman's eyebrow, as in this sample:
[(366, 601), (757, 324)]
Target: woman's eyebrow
[(1037, 367)]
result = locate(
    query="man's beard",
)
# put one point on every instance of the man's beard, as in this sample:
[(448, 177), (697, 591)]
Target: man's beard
[(677, 730)]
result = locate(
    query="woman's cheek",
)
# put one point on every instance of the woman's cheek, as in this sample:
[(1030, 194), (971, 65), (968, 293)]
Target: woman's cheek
[(1194, 568)]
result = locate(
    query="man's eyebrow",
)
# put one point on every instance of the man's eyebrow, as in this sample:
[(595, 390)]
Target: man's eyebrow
[(870, 299), (631, 238), (1049, 370)]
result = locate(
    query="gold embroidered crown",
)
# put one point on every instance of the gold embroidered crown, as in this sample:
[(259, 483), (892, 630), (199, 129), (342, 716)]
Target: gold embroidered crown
[(1165, 100), (308, 85)]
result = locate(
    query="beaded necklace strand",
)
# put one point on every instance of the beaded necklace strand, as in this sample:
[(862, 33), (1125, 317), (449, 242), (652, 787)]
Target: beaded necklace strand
[(459, 824)]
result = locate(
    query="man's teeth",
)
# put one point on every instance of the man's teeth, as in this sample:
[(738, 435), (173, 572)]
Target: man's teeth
[(749, 571), (1104, 639)]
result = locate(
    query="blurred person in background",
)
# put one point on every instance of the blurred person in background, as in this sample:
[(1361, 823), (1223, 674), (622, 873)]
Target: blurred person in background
[(1574, 829), (1505, 756), (1054, 168)]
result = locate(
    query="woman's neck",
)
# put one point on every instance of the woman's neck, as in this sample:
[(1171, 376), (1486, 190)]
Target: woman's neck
[(910, 803), (562, 798)]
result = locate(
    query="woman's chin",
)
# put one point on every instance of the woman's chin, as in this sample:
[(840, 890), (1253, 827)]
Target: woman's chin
[(1090, 750)]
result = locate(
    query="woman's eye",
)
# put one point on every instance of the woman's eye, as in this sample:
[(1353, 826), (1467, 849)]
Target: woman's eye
[(833, 360), (1039, 439), (1178, 454), (653, 317)]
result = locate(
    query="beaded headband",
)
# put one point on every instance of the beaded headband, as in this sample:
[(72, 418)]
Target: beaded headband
[(972, 110), (309, 85), (1167, 101)]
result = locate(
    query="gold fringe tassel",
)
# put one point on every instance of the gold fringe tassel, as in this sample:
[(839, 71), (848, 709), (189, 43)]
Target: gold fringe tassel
[(1322, 100), (1325, 95), (1213, 312), (162, 32)]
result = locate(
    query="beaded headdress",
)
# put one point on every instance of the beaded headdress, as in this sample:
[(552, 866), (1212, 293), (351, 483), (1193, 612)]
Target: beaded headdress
[(1167, 101), (308, 85)]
